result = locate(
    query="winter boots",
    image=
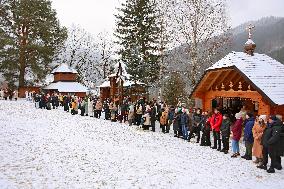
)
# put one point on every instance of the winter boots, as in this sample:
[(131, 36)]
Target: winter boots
[(257, 161), (246, 157)]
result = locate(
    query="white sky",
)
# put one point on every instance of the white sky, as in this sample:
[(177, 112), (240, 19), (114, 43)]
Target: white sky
[(98, 15)]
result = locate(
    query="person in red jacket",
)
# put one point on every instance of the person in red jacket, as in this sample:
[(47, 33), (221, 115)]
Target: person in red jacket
[(215, 123)]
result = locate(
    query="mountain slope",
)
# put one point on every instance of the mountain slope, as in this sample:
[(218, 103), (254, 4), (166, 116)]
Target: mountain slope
[(268, 35)]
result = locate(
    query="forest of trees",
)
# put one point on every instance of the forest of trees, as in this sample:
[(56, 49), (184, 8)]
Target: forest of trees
[(156, 39)]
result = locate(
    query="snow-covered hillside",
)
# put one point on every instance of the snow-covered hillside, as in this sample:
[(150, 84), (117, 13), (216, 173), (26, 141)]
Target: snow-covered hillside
[(53, 149)]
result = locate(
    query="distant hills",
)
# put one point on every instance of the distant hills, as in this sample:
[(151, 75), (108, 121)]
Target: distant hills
[(268, 35)]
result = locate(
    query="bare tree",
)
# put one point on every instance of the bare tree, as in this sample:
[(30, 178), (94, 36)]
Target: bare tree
[(106, 48), (201, 27), (90, 56)]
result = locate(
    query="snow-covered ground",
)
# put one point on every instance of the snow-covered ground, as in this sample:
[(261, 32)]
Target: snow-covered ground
[(53, 149)]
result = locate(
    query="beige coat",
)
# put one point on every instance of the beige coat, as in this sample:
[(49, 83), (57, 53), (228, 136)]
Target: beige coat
[(147, 119), (257, 135)]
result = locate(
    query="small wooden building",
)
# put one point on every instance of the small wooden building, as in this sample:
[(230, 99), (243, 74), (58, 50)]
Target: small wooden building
[(22, 90), (65, 82), (112, 87), (243, 79)]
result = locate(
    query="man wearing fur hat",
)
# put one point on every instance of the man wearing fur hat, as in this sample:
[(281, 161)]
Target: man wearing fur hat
[(272, 145)]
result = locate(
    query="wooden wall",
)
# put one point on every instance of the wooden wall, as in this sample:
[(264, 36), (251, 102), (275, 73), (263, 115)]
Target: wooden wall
[(22, 90), (278, 110), (104, 93), (79, 94), (65, 77)]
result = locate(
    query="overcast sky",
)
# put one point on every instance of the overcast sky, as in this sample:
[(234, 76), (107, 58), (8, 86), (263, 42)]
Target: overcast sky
[(97, 15)]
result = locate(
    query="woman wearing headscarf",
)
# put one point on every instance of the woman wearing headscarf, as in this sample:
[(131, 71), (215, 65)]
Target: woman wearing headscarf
[(236, 135), (258, 129)]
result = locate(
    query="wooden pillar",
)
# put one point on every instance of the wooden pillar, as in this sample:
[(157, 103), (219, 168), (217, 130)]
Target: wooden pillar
[(207, 104), (112, 87)]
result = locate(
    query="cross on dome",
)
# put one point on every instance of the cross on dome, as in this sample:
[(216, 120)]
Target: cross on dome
[(249, 28)]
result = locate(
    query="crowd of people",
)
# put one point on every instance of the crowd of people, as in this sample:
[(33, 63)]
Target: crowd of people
[(6, 94), (262, 135)]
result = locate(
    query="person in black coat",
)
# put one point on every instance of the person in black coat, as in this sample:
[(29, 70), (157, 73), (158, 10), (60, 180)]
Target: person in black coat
[(153, 117), (66, 102), (176, 123), (106, 110), (196, 125), (271, 142), (225, 132), (52, 100), (205, 128), (56, 101), (43, 101)]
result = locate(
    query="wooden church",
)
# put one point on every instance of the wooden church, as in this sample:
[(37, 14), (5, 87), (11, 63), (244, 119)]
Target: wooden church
[(119, 85), (65, 82), (248, 79)]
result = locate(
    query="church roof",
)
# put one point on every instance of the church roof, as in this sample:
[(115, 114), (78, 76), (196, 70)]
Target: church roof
[(64, 68), (66, 87), (127, 83), (123, 71), (264, 72)]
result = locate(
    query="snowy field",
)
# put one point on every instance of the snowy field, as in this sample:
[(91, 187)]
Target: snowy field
[(53, 149)]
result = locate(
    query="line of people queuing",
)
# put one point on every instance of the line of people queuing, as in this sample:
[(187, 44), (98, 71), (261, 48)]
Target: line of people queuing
[(8, 94), (263, 136)]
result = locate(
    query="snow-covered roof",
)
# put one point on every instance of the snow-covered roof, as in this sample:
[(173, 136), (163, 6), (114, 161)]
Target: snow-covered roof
[(64, 68), (104, 84), (127, 83), (66, 87), (263, 71), (249, 41)]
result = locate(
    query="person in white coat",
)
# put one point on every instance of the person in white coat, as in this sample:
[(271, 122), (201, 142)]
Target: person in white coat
[(147, 118), (87, 107), (27, 95), (90, 107), (16, 95)]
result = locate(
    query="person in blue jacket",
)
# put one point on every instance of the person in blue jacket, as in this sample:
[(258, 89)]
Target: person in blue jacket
[(184, 122), (248, 136)]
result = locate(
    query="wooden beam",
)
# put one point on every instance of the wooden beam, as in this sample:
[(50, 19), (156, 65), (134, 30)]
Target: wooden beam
[(254, 95), (236, 82), (214, 80), (200, 85), (230, 78), (224, 77)]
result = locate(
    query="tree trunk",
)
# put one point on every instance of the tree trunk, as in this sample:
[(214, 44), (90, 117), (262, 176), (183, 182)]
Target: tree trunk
[(22, 58), (22, 69)]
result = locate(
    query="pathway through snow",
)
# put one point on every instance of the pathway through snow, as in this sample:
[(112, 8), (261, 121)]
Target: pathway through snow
[(53, 149)]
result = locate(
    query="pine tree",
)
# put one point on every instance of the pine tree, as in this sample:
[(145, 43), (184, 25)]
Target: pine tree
[(174, 89), (30, 35), (138, 34)]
